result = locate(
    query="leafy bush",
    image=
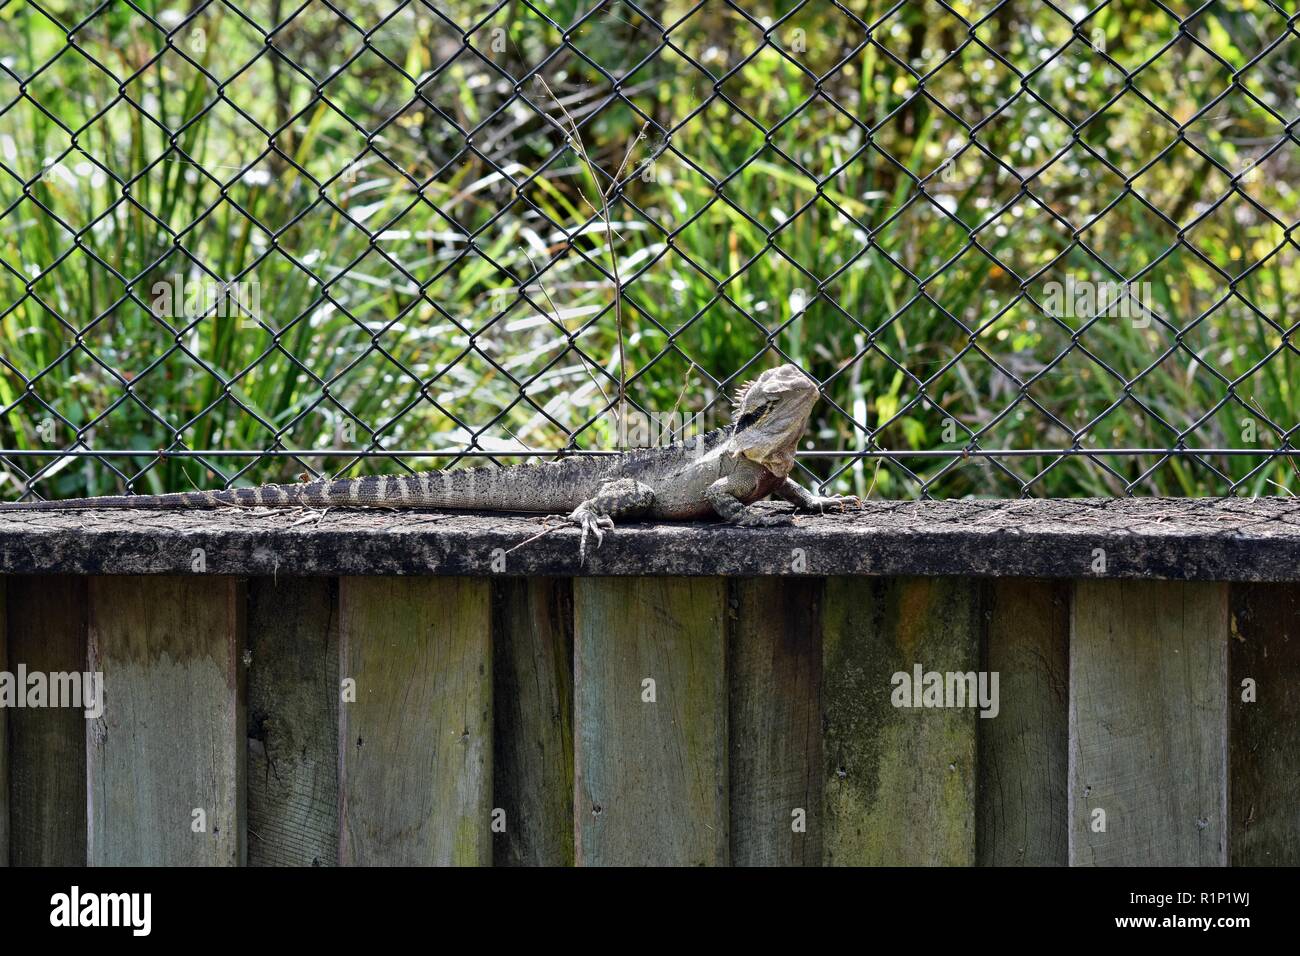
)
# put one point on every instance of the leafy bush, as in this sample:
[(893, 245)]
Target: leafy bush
[(885, 196)]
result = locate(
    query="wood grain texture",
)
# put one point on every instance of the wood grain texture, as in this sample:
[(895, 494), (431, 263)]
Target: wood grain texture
[(1148, 723), (1265, 751), (1209, 539), (1023, 751), (293, 693), (4, 742), (900, 782), (47, 633), (774, 662), (415, 749), (532, 673), (172, 738), (650, 778)]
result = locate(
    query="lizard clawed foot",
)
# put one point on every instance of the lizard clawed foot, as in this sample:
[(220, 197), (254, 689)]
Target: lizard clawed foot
[(591, 523), (624, 497)]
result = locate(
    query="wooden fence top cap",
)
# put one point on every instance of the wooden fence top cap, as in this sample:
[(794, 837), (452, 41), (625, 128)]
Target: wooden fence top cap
[(1229, 539)]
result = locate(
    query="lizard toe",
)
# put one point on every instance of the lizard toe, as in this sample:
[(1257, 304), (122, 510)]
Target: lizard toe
[(591, 524)]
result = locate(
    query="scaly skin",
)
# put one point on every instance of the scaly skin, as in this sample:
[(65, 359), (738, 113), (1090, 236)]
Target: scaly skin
[(720, 473)]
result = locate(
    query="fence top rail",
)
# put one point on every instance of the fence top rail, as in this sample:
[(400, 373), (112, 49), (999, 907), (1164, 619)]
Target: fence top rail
[(1227, 539)]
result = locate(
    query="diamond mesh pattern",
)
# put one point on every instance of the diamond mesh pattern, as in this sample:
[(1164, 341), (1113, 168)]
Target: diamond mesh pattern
[(243, 241)]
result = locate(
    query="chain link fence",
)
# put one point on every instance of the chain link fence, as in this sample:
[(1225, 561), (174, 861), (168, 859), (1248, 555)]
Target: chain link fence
[(1026, 248)]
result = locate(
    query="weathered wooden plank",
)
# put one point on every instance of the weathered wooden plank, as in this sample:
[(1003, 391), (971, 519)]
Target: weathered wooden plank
[(650, 758), (415, 747), (1023, 749), (900, 781), (165, 763), (293, 693), (1148, 724), (532, 760), (47, 634), (4, 741), (1208, 539), (1265, 737), (774, 662)]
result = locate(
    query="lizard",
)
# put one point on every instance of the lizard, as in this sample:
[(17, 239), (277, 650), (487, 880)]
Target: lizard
[(717, 474)]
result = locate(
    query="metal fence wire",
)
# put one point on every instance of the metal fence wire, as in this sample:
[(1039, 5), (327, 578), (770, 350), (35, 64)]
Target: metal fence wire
[(1025, 248)]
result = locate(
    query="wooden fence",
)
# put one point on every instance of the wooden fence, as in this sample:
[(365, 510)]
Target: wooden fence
[(273, 706)]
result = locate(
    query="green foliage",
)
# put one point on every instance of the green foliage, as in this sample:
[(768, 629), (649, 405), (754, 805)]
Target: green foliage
[(424, 239)]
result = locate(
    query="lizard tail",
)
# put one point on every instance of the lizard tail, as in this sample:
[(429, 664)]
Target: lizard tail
[(306, 493), (538, 488)]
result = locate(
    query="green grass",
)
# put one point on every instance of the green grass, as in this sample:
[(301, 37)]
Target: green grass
[(405, 317)]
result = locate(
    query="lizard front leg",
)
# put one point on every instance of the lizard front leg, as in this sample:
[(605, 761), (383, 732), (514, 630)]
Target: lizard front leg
[(805, 500), (622, 498), (725, 495)]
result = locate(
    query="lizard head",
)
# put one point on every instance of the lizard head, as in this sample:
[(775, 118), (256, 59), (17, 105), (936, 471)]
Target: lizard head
[(771, 413)]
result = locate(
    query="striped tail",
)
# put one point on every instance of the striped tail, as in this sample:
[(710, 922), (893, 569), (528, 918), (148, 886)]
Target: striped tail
[(306, 493), (504, 489)]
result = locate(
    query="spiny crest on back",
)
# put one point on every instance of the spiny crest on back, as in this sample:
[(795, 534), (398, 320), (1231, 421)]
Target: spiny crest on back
[(741, 393), (677, 449)]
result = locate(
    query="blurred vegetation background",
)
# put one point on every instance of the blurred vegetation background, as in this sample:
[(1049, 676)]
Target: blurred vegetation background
[(879, 192)]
